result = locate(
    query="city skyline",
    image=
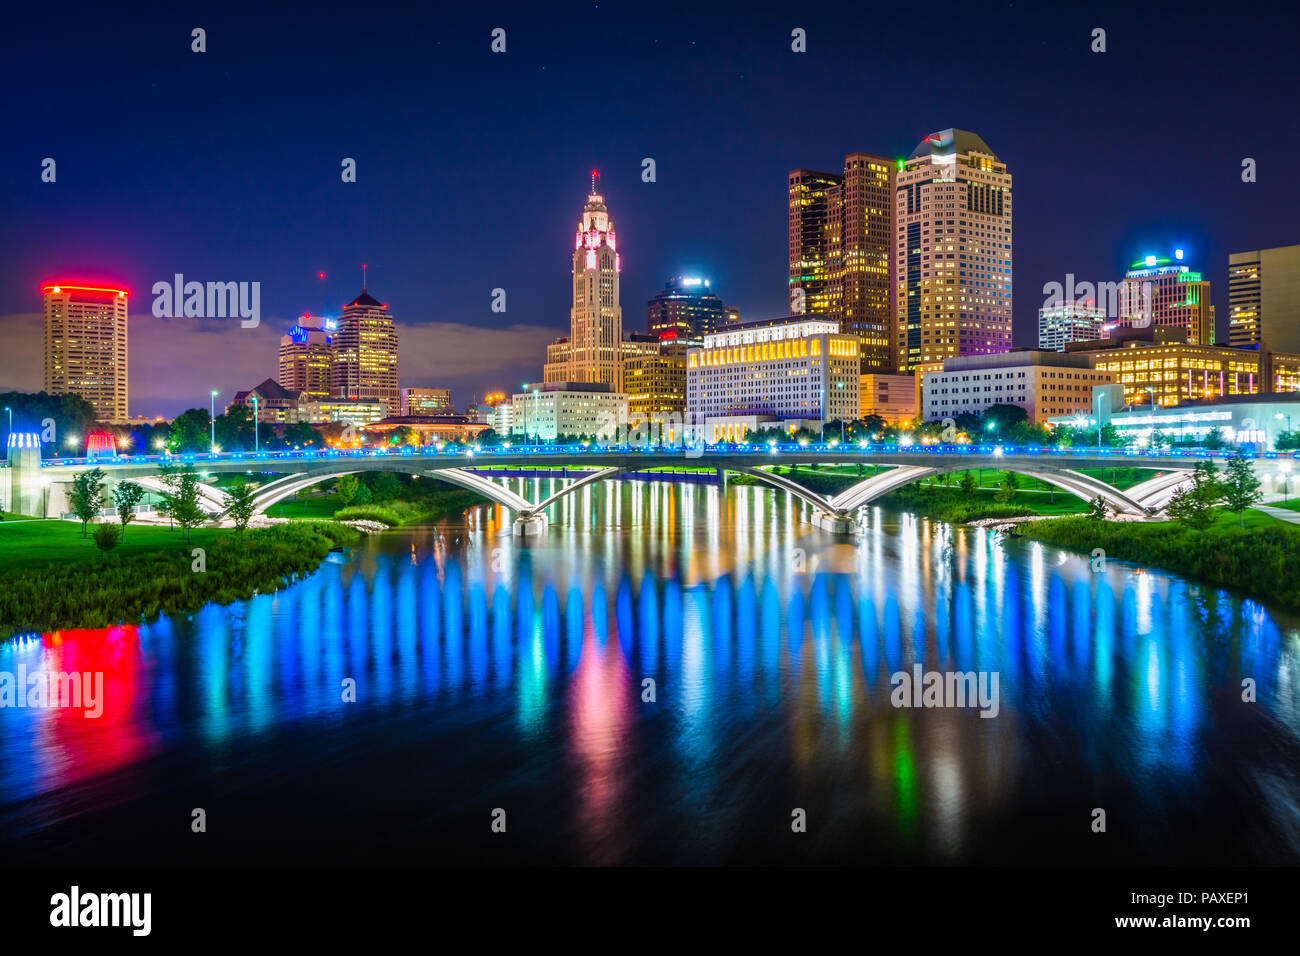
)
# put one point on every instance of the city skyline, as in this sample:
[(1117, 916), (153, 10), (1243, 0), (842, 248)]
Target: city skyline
[(1086, 207)]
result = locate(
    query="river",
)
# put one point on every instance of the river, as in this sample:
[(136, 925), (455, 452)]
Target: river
[(673, 674)]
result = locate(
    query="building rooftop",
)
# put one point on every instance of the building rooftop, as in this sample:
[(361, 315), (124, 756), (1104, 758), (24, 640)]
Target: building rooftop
[(950, 142)]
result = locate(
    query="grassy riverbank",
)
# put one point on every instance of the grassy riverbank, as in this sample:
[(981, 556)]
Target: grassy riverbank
[(411, 501), (148, 575), (1259, 559)]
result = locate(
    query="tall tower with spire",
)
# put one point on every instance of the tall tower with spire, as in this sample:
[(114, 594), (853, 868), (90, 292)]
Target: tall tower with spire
[(593, 352), (365, 353)]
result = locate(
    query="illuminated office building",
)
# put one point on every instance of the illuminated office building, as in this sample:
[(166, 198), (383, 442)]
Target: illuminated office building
[(687, 309), (85, 346), (796, 371), (1062, 322), (1264, 299), (1158, 365), (365, 354), (952, 262), (840, 250), (1164, 293), (307, 357)]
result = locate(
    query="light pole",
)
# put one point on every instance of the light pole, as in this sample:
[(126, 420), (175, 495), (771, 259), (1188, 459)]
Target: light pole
[(841, 385), (1100, 396), (1284, 475), (11, 420), (1279, 416), (212, 417), (255, 416), (539, 427)]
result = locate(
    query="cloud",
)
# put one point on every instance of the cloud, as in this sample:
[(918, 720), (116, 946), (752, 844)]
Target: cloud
[(174, 363)]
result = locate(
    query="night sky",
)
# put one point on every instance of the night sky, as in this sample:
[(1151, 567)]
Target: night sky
[(473, 166)]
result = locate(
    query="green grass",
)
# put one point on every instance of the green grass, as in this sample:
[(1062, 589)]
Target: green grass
[(322, 506), (37, 544), (1259, 558), (130, 587), (1121, 479)]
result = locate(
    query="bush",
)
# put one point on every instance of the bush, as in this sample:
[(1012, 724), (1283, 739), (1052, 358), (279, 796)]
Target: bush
[(1258, 561), (107, 536)]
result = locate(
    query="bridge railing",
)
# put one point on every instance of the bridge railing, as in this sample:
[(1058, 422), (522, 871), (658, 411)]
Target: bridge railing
[(774, 449)]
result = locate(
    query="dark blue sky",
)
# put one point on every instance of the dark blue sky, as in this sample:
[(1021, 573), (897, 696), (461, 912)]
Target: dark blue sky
[(472, 166)]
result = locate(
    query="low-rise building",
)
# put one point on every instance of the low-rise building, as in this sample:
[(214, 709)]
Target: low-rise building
[(271, 402), (426, 401), (545, 410), (1044, 384), (1158, 364), (429, 429), (892, 397), (1243, 419)]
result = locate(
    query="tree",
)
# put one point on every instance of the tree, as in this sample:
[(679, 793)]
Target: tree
[(1098, 510), (1287, 441), (1240, 487), (346, 488), (106, 537), (1006, 492), (189, 431), (967, 484), (184, 502), (385, 486), (87, 495), (125, 497), (1194, 504), (303, 435), (240, 503), (71, 414), (234, 428)]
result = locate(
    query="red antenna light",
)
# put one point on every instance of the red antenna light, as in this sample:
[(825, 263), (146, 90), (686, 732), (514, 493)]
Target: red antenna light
[(320, 275)]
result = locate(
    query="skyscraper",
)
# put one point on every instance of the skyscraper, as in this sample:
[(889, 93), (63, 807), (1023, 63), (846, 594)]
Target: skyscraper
[(841, 252), (686, 309), (1163, 292), (365, 354), (952, 257), (594, 350), (307, 357), (85, 346), (1264, 299)]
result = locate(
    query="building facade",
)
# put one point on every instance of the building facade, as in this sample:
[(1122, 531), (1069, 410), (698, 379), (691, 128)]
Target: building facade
[(1043, 383), (545, 411), (952, 256), (365, 354), (1264, 299), (1157, 365), (307, 357), (841, 234), (655, 384), (426, 401), (1164, 293), (86, 346), (1062, 322), (593, 352), (892, 397), (791, 368)]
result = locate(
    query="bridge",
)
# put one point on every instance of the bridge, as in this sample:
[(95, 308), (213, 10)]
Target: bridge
[(37, 486)]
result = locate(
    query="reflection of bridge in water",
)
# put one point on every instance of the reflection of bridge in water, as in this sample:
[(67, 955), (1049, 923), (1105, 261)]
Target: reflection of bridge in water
[(44, 489)]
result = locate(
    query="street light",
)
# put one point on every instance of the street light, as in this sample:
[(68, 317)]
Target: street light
[(841, 385), (1279, 416), (255, 416), (11, 419), (1284, 477), (1102, 393), (212, 418)]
